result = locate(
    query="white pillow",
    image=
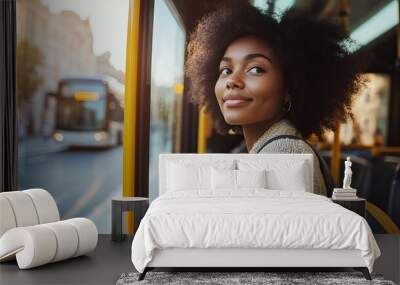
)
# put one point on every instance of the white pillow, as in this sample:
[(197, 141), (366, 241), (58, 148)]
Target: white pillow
[(188, 175), (223, 179), (237, 179), (292, 179), (281, 175), (251, 178)]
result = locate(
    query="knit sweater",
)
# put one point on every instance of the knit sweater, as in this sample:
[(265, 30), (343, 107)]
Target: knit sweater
[(286, 145)]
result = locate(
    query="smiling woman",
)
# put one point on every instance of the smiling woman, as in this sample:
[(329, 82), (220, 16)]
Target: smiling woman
[(248, 73), (275, 82), (301, 58)]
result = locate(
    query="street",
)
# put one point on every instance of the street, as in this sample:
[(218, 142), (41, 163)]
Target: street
[(82, 181)]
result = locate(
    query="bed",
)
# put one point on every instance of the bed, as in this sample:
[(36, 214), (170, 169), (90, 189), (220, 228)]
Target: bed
[(247, 210)]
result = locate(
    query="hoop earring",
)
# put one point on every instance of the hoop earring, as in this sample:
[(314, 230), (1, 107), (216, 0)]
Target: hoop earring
[(287, 108)]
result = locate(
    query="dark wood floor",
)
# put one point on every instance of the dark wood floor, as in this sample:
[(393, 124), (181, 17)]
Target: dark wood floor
[(111, 259), (102, 266)]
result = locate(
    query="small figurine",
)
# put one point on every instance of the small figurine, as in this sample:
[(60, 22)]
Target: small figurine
[(347, 174)]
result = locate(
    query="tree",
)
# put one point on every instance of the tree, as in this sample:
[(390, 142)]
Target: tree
[(29, 59)]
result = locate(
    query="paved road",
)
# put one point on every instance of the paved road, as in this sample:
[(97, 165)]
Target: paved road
[(82, 181)]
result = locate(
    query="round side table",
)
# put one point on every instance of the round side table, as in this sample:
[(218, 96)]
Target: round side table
[(138, 205)]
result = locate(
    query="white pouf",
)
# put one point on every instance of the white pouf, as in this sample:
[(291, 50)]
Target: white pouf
[(46, 207), (31, 233), (24, 211), (7, 218)]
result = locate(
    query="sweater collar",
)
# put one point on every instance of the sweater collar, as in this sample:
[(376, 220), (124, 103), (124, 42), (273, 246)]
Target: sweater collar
[(282, 127)]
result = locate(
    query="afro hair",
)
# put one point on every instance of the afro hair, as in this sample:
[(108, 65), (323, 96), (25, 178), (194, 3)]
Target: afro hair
[(320, 74)]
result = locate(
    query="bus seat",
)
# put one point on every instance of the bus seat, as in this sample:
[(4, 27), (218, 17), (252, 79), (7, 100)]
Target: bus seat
[(394, 198)]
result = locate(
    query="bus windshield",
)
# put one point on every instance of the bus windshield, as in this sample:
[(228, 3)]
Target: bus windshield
[(81, 105)]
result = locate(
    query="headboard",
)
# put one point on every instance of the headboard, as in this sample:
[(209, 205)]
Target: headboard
[(269, 158)]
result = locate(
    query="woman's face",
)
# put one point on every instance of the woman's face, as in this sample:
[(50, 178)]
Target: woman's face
[(250, 76)]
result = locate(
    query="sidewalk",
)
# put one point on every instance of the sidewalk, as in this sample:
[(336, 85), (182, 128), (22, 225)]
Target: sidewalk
[(35, 146)]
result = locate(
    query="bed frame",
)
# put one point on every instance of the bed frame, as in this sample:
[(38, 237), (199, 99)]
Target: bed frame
[(246, 258)]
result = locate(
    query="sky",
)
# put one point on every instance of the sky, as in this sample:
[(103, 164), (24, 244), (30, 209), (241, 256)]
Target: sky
[(109, 22)]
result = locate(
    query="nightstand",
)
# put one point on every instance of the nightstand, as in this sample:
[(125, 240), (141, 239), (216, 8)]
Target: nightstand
[(357, 205), (138, 205)]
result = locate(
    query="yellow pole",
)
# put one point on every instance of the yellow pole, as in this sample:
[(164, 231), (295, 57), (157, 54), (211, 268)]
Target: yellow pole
[(179, 88), (203, 130), (131, 84), (344, 15), (335, 161)]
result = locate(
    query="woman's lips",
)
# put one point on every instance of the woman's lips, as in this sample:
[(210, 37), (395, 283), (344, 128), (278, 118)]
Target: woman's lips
[(236, 102)]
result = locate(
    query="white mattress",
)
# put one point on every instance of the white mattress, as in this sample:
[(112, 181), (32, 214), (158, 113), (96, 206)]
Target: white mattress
[(252, 218)]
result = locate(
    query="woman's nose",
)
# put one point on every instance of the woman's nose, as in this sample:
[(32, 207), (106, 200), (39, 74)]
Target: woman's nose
[(234, 82)]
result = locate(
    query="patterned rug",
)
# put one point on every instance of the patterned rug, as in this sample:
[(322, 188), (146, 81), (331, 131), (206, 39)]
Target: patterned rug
[(229, 278)]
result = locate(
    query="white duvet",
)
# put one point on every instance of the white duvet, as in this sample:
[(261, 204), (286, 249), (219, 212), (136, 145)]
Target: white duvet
[(251, 218)]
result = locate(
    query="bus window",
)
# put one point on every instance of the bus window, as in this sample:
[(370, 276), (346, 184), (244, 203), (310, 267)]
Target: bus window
[(70, 90), (166, 87), (369, 127)]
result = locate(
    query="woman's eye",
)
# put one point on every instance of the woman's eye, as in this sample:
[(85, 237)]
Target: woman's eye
[(224, 71), (256, 70)]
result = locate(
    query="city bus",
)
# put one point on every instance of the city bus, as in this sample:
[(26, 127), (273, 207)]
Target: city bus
[(89, 111)]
